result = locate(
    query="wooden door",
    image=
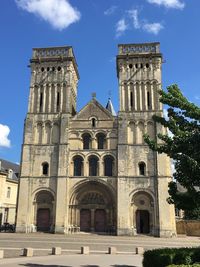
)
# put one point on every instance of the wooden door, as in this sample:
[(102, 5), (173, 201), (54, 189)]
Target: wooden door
[(85, 220), (43, 220), (142, 221), (100, 220)]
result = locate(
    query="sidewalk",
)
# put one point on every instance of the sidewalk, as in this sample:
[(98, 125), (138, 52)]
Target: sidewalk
[(75, 261)]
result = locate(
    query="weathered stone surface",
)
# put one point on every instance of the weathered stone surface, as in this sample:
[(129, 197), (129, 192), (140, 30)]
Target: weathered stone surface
[(112, 250), (1, 254), (56, 251), (85, 250), (28, 252), (100, 176), (139, 250)]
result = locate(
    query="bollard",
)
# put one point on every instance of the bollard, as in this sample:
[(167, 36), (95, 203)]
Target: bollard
[(28, 252), (112, 250), (139, 250), (1, 254), (85, 250), (56, 251)]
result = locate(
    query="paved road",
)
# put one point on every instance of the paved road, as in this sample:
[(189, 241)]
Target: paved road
[(13, 243), (76, 261)]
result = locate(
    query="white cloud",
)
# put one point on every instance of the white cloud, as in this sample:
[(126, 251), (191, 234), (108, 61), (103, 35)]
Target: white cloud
[(168, 3), (121, 27), (134, 15), (110, 10), (59, 13), (153, 27), (4, 132), (143, 24)]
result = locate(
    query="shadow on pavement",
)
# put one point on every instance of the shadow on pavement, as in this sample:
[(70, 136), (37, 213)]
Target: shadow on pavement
[(122, 265), (42, 265)]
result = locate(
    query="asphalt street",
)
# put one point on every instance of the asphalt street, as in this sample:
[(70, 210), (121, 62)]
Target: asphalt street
[(13, 243)]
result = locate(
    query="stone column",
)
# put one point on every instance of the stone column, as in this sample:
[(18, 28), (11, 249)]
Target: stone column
[(86, 168), (128, 97), (44, 98), (140, 96), (94, 143), (123, 98), (50, 96), (152, 97), (101, 167), (38, 100), (107, 143), (135, 98), (55, 98), (61, 97), (145, 98)]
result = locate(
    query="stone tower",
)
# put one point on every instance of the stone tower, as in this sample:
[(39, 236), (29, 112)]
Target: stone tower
[(143, 174), (90, 170), (52, 101)]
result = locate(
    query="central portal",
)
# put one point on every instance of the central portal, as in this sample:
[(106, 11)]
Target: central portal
[(85, 220), (93, 209), (93, 220), (100, 221)]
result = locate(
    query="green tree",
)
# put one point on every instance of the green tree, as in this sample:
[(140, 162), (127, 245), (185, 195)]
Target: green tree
[(183, 146)]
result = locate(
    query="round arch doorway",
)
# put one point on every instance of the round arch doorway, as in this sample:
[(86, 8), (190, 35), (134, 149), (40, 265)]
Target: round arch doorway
[(94, 209), (142, 222), (143, 213), (44, 206)]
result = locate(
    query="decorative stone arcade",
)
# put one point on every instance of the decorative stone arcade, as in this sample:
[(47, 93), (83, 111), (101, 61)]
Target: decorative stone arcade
[(90, 170)]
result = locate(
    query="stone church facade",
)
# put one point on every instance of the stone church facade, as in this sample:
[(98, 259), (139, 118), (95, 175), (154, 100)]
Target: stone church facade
[(90, 171)]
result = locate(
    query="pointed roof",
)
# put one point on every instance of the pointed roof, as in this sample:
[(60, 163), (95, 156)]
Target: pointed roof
[(110, 107), (93, 108)]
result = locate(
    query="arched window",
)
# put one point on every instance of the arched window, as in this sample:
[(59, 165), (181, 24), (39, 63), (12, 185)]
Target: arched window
[(58, 102), (86, 141), (108, 166), (131, 99), (101, 141), (41, 101), (93, 166), (78, 166), (148, 100), (45, 168), (142, 168), (93, 122)]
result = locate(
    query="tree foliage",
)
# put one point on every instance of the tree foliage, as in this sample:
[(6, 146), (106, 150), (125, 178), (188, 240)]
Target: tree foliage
[(183, 146)]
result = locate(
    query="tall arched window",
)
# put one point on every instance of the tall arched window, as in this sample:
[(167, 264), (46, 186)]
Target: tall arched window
[(108, 165), (142, 168), (41, 101), (93, 166), (45, 168), (148, 100), (101, 141), (93, 122), (86, 141), (78, 166)]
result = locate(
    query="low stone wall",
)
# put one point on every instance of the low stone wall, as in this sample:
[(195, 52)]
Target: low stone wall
[(188, 227)]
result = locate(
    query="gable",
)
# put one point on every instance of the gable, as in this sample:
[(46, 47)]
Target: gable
[(93, 109)]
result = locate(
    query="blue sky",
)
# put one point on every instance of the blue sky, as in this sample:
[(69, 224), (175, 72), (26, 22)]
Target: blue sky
[(94, 28)]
